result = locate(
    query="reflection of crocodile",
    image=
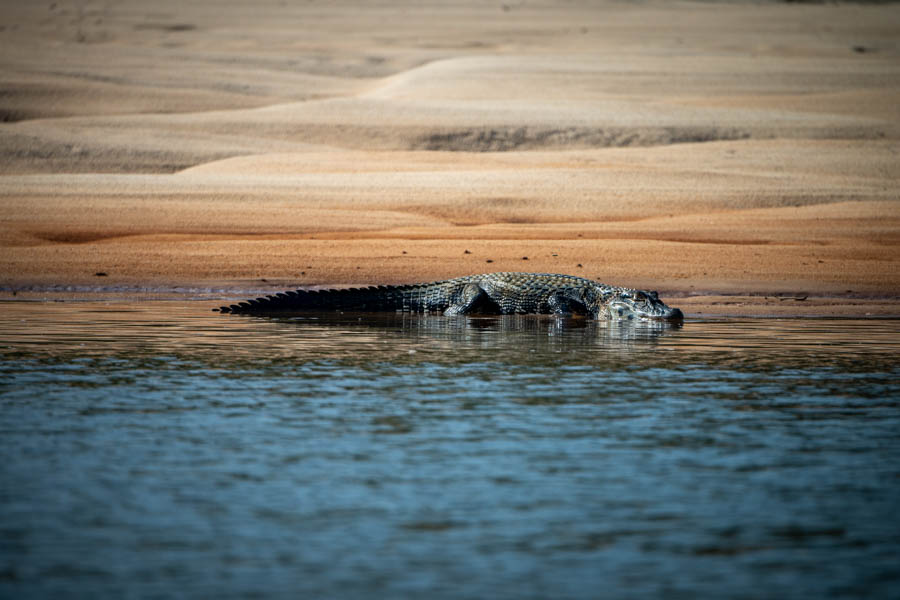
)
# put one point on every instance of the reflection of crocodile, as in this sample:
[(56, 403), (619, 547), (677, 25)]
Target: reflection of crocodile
[(493, 293)]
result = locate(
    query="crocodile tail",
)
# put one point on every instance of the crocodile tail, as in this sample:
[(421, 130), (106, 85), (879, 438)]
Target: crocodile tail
[(380, 298)]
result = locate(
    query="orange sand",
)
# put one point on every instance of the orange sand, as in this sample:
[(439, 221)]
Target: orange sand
[(724, 154)]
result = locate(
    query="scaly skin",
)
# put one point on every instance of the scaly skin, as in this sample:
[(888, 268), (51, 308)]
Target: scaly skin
[(490, 293)]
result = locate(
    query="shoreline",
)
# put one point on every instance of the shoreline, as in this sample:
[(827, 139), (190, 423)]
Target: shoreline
[(696, 306)]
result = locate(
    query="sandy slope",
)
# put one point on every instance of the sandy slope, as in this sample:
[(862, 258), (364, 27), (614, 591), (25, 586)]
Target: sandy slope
[(719, 148)]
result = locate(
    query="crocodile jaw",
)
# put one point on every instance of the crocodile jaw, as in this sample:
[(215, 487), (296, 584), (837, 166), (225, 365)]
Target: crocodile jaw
[(622, 311)]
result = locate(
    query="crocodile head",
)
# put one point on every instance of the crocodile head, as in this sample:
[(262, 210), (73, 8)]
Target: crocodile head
[(626, 304)]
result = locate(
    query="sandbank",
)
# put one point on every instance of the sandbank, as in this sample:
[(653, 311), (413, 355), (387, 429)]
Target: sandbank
[(740, 158)]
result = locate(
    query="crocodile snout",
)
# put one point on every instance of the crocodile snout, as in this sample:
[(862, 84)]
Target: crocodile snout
[(675, 315)]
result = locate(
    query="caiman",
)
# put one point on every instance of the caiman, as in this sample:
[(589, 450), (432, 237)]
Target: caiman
[(490, 293)]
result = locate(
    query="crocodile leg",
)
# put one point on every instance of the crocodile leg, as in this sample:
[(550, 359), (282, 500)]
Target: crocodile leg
[(473, 300), (564, 306)]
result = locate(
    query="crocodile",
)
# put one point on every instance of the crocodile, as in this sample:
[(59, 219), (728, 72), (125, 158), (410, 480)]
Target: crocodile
[(489, 293)]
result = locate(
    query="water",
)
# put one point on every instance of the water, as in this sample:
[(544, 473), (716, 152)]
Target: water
[(160, 450)]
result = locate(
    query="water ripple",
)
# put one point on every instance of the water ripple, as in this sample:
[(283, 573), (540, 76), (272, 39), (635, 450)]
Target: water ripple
[(158, 450)]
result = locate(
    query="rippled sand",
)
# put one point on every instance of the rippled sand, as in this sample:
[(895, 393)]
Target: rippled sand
[(696, 148)]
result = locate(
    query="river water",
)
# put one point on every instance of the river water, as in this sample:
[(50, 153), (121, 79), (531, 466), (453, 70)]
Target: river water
[(162, 450)]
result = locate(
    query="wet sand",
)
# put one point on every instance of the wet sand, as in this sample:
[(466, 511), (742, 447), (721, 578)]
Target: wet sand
[(740, 158)]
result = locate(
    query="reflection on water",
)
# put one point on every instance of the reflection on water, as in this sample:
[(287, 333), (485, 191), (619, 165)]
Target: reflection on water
[(161, 449), (186, 331)]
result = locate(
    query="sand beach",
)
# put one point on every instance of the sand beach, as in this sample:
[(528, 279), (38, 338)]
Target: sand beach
[(739, 157)]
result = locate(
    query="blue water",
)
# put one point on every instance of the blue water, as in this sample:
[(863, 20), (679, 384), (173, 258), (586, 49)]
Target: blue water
[(159, 450)]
